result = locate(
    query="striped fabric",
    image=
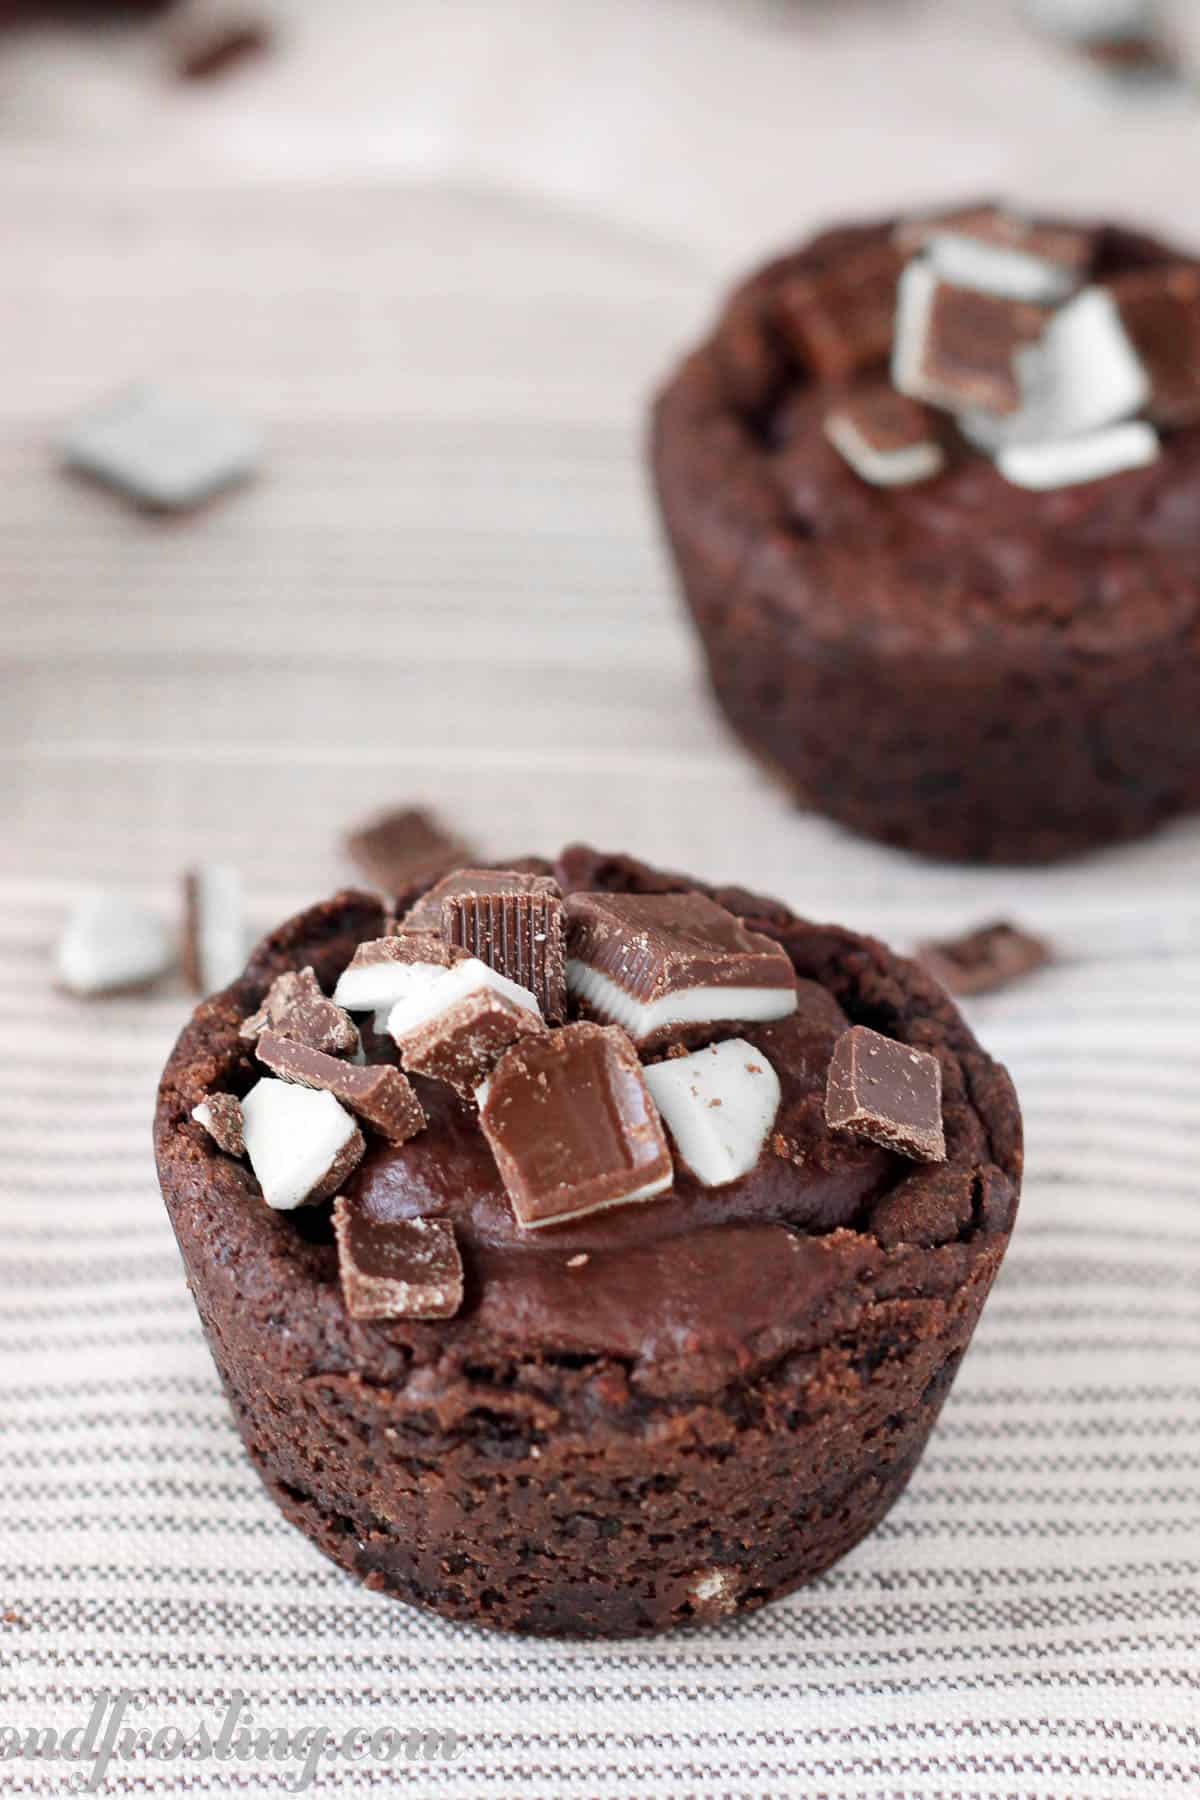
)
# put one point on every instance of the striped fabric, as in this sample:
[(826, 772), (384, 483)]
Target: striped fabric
[(447, 587)]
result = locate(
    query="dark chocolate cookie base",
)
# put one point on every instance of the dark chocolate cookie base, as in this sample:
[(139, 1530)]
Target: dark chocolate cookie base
[(960, 668), (578, 1495)]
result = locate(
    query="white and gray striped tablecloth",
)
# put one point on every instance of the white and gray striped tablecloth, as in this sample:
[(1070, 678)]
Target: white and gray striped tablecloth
[(446, 587)]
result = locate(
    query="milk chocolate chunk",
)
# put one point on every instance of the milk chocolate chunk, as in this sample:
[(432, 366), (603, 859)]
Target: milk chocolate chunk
[(990, 957), (376, 1093), (887, 1092), (396, 849), (221, 1117), (572, 1126), (521, 934), (1160, 310), (957, 348), (296, 1008), (654, 962), (839, 320), (462, 1044), (397, 1269)]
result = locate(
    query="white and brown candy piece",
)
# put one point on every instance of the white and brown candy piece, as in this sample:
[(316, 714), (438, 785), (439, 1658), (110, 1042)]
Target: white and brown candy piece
[(887, 438), (572, 1126), (957, 348), (296, 1008), (215, 938), (376, 1093), (453, 1022), (1082, 376), (516, 924), (656, 964), (378, 974), (221, 1117), (719, 1105), (302, 1144), (396, 1268), (999, 252), (887, 1092)]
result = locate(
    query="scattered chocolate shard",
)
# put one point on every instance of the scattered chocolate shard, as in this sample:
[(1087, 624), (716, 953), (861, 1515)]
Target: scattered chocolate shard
[(110, 943), (376, 976), (1160, 311), (989, 957), (839, 321), (302, 1144), (396, 849), (221, 1117), (999, 252), (572, 1126), (888, 1092), (887, 438), (215, 939), (719, 1105), (652, 963), (462, 1044), (397, 1268), (957, 348), (296, 1008), (376, 1093), (521, 933)]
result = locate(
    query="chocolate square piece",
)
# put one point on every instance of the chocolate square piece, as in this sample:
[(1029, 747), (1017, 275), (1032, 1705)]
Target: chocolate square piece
[(398, 848), (981, 960), (887, 1092), (426, 913), (296, 1008), (1160, 310), (957, 348), (572, 1126), (397, 1269), (519, 934), (462, 1044), (886, 438), (840, 321), (654, 963), (376, 1093)]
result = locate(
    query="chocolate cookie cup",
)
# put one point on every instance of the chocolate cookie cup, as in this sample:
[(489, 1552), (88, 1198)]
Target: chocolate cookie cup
[(666, 1410), (931, 652)]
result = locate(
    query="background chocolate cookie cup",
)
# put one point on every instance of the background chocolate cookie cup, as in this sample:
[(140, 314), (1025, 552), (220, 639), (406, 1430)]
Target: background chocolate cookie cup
[(554, 1459), (960, 667)]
